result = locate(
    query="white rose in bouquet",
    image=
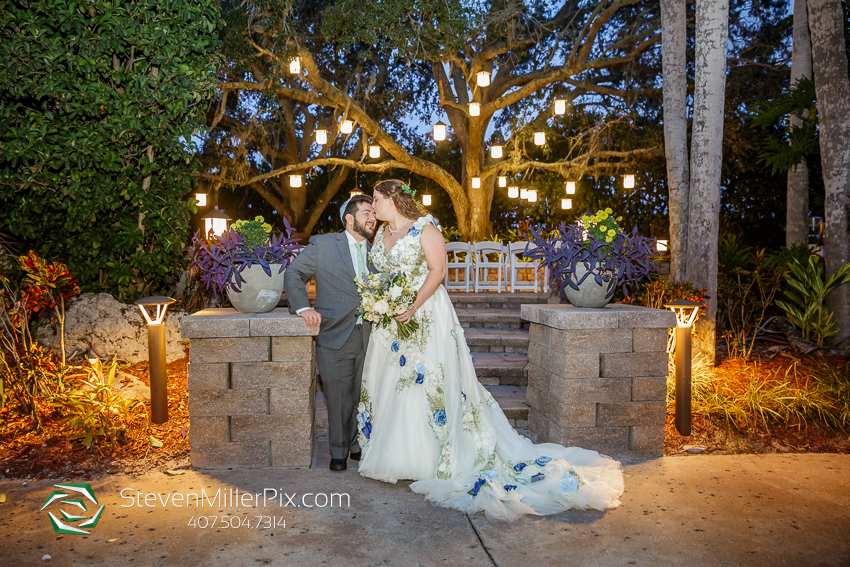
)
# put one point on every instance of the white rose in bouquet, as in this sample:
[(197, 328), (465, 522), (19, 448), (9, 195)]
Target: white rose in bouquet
[(396, 291), (381, 307)]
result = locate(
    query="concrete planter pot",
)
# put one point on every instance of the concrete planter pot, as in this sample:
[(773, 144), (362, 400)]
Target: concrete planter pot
[(590, 293), (260, 293)]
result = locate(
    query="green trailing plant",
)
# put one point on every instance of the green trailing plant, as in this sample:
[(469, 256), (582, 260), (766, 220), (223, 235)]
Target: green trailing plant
[(806, 305), (95, 412), (98, 106)]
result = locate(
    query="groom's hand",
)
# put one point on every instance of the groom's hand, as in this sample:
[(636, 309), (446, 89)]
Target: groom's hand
[(312, 317)]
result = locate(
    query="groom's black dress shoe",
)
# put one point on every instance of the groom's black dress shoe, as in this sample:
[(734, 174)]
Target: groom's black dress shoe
[(354, 456), (337, 465)]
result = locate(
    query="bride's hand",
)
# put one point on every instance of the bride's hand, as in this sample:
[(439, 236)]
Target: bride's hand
[(407, 315)]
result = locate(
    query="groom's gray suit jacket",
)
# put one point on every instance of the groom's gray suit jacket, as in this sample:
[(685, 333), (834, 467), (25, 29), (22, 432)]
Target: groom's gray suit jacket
[(327, 258)]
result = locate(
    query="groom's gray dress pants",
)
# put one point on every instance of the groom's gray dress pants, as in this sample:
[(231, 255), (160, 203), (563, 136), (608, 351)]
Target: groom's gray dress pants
[(342, 372)]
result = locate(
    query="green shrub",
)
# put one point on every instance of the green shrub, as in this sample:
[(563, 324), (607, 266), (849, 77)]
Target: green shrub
[(98, 101)]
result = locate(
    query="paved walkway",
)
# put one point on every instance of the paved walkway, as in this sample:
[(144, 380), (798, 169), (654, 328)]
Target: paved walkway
[(697, 510)]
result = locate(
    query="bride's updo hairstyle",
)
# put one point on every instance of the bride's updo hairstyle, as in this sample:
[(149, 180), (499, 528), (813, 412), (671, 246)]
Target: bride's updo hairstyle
[(404, 202)]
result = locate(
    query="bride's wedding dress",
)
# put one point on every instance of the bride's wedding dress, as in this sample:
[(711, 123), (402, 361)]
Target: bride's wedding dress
[(424, 416)]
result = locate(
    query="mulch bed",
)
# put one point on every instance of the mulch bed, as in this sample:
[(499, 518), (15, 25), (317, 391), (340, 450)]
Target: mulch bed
[(27, 451)]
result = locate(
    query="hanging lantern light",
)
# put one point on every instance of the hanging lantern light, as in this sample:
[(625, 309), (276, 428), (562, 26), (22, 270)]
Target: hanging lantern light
[(513, 192), (503, 181), (560, 106), (295, 66), (532, 195), (439, 131), (296, 180), (571, 187), (346, 127), (201, 198), (496, 152), (496, 146), (566, 204), (476, 182), (482, 79), (355, 192), (426, 200), (321, 137), (661, 245), (539, 138), (474, 109), (215, 222), (374, 151), (628, 180), (523, 193)]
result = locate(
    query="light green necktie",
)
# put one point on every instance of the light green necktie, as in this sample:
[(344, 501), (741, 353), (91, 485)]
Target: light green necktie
[(361, 269)]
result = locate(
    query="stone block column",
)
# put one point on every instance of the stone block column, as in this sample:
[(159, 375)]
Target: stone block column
[(252, 389), (597, 377)]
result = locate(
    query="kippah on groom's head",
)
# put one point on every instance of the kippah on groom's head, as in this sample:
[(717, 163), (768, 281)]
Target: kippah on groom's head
[(352, 205)]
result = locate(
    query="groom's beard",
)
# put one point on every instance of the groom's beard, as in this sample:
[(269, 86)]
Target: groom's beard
[(363, 230)]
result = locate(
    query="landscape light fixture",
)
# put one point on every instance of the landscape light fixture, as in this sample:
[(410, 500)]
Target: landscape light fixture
[(571, 187), (513, 192), (474, 109), (476, 182), (321, 137), (295, 66), (482, 78), (296, 180), (560, 106), (439, 131), (156, 354), (201, 198), (215, 222), (346, 127), (566, 204), (686, 313)]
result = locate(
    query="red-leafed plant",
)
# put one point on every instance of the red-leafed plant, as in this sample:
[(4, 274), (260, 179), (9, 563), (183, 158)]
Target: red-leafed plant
[(47, 287)]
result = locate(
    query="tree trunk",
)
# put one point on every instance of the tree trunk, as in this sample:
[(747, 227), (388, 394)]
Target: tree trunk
[(797, 196), (832, 85), (712, 31), (673, 43)]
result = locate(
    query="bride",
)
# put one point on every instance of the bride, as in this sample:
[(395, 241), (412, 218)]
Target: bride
[(424, 416)]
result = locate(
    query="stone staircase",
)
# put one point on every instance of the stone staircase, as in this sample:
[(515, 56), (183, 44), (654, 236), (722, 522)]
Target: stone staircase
[(498, 340)]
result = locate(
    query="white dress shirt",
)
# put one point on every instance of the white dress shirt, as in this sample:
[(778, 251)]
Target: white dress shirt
[(352, 250)]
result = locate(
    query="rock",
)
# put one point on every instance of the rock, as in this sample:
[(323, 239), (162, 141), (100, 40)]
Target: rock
[(696, 449), (130, 386), (110, 328)]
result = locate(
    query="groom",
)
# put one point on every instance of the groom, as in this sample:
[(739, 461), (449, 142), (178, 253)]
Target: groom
[(334, 260)]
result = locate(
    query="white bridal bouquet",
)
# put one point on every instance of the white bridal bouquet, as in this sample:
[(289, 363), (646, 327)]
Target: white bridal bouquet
[(383, 296)]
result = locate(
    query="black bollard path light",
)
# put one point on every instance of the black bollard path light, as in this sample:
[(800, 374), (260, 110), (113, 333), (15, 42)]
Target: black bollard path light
[(156, 354), (686, 312)]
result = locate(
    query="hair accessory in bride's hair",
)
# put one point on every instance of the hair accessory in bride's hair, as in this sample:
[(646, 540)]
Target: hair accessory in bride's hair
[(406, 188)]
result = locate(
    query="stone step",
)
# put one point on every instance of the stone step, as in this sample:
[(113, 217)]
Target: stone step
[(510, 398), (491, 318), (491, 299), (496, 340), (501, 368)]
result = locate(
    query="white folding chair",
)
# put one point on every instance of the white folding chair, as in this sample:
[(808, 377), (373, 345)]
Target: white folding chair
[(483, 264), (518, 262), (458, 258)]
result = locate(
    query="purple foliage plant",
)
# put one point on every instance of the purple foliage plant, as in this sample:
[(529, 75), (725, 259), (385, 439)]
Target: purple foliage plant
[(221, 260)]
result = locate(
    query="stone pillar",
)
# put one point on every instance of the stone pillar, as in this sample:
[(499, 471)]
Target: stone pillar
[(252, 389), (597, 377)]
